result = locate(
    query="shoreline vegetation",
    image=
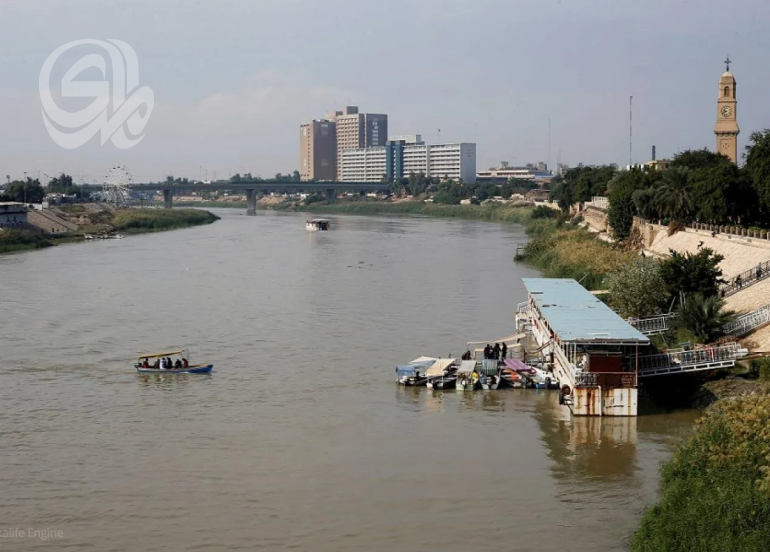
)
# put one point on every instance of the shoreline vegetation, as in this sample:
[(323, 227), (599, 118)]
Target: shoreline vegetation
[(105, 221)]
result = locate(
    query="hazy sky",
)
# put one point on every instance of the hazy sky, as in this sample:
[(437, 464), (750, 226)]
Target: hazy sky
[(233, 79)]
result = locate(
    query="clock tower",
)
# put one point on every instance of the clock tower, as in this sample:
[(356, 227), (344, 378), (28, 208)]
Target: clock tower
[(726, 128)]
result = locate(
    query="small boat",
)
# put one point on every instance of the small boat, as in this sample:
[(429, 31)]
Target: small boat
[(316, 225), (414, 373), (467, 377), (442, 374), (89, 236), (182, 354)]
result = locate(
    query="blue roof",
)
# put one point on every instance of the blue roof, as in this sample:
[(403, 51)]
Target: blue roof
[(575, 314)]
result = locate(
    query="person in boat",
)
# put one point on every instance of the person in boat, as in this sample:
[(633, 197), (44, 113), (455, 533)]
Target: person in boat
[(496, 352), (185, 364), (487, 352), (504, 351), (467, 355), (156, 364), (162, 363), (178, 364), (145, 363)]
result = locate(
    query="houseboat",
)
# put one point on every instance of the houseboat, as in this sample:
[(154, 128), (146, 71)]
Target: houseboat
[(592, 352)]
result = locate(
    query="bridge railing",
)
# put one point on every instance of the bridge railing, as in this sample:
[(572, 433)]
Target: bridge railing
[(745, 279), (707, 355), (654, 324), (748, 322)]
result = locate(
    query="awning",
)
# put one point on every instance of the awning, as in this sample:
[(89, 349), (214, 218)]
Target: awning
[(466, 367), (507, 340), (439, 366), (158, 355)]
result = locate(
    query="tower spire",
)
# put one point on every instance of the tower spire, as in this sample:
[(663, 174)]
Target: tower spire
[(727, 63)]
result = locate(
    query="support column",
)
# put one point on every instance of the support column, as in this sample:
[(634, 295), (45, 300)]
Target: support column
[(167, 199), (331, 195), (251, 201)]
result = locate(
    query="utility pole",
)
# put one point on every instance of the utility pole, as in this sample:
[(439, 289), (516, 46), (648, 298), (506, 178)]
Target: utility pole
[(25, 188), (630, 131)]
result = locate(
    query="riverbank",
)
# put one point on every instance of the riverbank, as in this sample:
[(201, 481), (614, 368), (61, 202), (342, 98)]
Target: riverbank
[(97, 219)]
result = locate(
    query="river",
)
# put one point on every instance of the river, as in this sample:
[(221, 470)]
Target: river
[(300, 439)]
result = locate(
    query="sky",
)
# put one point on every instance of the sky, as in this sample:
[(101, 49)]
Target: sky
[(233, 79)]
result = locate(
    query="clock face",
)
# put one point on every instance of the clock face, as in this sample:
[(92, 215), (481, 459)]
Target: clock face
[(727, 111)]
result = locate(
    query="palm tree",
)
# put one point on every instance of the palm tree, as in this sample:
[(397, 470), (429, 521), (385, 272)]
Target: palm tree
[(673, 196), (704, 316)]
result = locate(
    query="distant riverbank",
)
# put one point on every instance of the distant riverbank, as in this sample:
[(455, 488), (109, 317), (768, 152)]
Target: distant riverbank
[(96, 220)]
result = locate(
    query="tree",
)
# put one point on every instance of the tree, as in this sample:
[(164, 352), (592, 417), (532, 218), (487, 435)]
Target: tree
[(637, 289), (673, 195), (689, 273), (622, 209), (758, 166), (722, 193), (645, 204), (699, 159), (704, 316), (580, 184), (29, 191), (296, 176)]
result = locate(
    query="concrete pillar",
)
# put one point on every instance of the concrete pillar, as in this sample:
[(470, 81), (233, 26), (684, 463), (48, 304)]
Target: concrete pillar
[(251, 202), (331, 195), (167, 199)]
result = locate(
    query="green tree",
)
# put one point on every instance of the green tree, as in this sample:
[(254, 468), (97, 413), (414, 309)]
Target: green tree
[(692, 273), (637, 289), (699, 159), (24, 190), (721, 194), (622, 209), (645, 204), (758, 166), (673, 195), (704, 316)]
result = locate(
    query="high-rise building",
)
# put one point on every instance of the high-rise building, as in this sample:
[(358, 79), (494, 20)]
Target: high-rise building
[(726, 128), (359, 130), (398, 158), (318, 151)]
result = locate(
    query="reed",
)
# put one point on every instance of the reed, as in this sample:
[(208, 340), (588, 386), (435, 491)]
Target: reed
[(21, 240), (132, 221)]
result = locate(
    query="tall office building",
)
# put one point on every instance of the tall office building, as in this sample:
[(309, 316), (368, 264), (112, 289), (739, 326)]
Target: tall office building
[(358, 130), (318, 151)]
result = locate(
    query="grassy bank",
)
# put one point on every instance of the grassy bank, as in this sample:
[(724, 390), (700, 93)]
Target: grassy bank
[(21, 240), (136, 221), (716, 488)]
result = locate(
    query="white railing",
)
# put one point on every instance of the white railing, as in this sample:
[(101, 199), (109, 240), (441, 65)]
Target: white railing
[(652, 325), (748, 322), (599, 202), (708, 358)]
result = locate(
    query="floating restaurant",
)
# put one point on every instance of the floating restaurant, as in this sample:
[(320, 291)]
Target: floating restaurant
[(593, 352)]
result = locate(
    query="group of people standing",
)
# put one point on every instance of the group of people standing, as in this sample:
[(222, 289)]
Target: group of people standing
[(495, 353)]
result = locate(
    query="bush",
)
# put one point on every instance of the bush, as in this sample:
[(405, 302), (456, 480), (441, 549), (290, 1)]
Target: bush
[(19, 240), (704, 316), (716, 487), (543, 212), (760, 368), (637, 289)]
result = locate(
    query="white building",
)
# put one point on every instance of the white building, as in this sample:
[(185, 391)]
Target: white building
[(505, 172), (364, 164), (443, 161)]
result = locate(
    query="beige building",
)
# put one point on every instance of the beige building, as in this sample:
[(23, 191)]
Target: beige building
[(358, 130), (726, 128), (318, 151)]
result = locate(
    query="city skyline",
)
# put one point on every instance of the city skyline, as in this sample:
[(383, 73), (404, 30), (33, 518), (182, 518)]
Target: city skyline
[(231, 89)]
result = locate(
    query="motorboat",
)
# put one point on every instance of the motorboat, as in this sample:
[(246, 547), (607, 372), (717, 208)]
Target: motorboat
[(467, 376), (317, 225), (442, 374), (532, 376), (143, 365), (414, 373)]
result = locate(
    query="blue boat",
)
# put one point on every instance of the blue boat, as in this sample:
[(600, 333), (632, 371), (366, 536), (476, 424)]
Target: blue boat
[(143, 365)]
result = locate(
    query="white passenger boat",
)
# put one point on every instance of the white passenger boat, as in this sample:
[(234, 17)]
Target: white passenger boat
[(317, 225)]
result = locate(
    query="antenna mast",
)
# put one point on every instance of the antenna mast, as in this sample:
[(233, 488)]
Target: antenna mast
[(549, 143), (630, 131)]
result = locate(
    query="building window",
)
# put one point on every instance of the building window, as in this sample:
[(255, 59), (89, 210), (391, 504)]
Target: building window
[(727, 91)]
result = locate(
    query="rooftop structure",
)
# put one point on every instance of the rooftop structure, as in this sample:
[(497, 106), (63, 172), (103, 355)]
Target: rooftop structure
[(574, 314)]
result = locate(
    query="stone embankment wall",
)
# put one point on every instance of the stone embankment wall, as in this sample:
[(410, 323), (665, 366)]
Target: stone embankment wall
[(50, 223)]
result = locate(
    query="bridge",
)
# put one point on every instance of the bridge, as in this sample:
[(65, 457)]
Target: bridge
[(251, 187)]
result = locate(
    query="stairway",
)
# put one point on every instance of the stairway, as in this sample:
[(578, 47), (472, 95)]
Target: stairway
[(748, 322)]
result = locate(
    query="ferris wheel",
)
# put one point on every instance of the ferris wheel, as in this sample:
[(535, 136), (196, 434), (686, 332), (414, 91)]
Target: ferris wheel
[(117, 186)]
